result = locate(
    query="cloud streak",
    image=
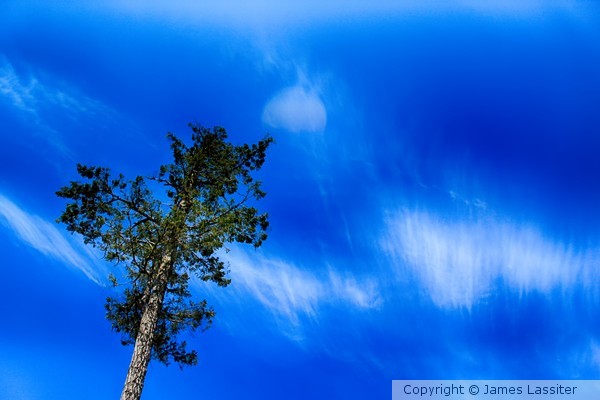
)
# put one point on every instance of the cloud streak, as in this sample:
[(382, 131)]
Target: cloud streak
[(290, 14), (18, 92), (459, 262), (44, 237), (292, 293), (38, 103), (30, 95)]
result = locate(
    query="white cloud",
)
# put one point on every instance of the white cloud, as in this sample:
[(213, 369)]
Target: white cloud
[(17, 91), (29, 94), (290, 292), (296, 109), (459, 262), (40, 101), (270, 14), (44, 237), (36, 100)]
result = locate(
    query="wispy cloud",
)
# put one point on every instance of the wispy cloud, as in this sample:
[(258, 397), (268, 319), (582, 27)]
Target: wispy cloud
[(459, 262), (44, 237), (292, 293), (284, 15), (27, 93), (17, 91), (40, 101)]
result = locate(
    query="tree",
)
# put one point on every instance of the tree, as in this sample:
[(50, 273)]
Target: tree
[(163, 230)]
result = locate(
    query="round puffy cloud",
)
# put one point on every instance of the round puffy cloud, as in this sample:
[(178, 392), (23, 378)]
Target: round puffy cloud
[(297, 110)]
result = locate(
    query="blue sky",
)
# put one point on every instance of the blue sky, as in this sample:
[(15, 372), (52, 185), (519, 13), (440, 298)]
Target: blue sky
[(433, 192)]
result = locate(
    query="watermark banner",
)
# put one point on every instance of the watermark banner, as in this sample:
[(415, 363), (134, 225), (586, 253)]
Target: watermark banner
[(496, 390)]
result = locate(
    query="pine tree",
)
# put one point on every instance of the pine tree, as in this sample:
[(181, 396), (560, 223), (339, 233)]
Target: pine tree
[(163, 230)]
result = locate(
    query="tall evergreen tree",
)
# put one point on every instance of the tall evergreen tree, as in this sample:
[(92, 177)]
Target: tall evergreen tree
[(164, 229)]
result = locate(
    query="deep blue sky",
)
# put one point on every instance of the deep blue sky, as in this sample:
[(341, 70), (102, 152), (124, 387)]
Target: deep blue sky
[(433, 192)]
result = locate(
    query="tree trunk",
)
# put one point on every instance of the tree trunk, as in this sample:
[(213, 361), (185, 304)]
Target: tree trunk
[(138, 367)]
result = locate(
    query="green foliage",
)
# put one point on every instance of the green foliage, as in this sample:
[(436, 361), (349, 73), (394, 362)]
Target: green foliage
[(202, 204)]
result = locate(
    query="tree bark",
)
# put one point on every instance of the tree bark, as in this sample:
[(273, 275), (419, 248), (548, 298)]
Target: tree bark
[(138, 367)]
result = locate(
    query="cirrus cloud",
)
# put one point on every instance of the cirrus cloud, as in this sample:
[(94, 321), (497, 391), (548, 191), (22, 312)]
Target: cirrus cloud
[(459, 262), (294, 296), (44, 237)]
